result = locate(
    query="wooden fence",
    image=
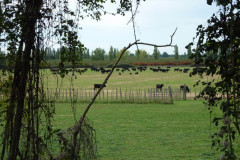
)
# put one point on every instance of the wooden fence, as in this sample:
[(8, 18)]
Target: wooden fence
[(118, 95)]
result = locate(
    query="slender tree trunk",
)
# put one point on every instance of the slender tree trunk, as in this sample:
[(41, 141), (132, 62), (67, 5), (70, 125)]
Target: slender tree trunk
[(18, 93)]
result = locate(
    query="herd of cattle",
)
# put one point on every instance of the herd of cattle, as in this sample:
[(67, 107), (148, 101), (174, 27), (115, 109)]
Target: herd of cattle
[(135, 70), (131, 70)]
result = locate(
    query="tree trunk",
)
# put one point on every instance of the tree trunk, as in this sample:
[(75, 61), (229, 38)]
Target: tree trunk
[(22, 69)]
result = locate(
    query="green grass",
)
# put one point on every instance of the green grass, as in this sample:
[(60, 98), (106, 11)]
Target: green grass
[(147, 131), (147, 79)]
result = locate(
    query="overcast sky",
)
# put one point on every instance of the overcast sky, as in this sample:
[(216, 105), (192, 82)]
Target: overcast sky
[(155, 22)]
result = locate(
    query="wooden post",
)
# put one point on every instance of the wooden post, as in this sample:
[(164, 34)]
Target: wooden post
[(190, 95), (145, 96), (126, 95), (195, 92), (170, 94), (111, 96), (184, 92), (66, 94), (120, 94), (107, 95), (130, 95), (103, 95)]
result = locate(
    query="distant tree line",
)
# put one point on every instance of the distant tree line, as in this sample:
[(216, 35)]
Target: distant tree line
[(100, 54)]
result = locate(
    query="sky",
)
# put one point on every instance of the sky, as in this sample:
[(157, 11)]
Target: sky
[(156, 21)]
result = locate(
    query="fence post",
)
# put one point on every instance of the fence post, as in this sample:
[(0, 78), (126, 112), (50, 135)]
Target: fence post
[(107, 95), (145, 96), (195, 92), (170, 94), (120, 94), (184, 92)]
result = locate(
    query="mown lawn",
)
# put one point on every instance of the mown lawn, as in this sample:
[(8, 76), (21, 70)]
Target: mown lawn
[(147, 131)]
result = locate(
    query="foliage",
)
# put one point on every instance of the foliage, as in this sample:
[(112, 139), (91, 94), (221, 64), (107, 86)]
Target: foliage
[(98, 54), (141, 53), (162, 63), (110, 53), (86, 54), (176, 52), (189, 51), (125, 56), (2, 59), (218, 48), (165, 54), (156, 53)]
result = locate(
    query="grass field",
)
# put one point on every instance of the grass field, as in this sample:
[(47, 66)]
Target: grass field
[(147, 131), (142, 131), (145, 79)]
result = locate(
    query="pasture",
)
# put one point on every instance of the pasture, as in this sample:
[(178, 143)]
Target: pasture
[(127, 79), (123, 86), (147, 131), (181, 130)]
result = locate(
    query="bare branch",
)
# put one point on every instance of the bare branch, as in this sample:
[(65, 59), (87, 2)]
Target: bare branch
[(155, 45), (133, 23)]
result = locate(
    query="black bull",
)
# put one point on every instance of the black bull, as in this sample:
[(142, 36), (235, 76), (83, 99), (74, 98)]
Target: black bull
[(159, 86), (182, 88), (98, 86)]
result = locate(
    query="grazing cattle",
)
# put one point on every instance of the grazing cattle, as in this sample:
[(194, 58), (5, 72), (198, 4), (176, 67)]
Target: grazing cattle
[(136, 72), (133, 69), (176, 69), (159, 86), (154, 69), (164, 70), (98, 86), (119, 73), (185, 70), (182, 88)]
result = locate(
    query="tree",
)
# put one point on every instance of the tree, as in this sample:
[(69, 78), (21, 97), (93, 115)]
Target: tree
[(218, 48), (115, 50), (141, 53), (86, 54), (189, 51), (2, 59), (176, 52), (110, 54), (26, 28), (165, 54), (156, 53), (125, 56), (98, 54)]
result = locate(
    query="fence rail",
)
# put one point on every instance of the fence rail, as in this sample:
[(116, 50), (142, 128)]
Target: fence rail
[(117, 95)]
